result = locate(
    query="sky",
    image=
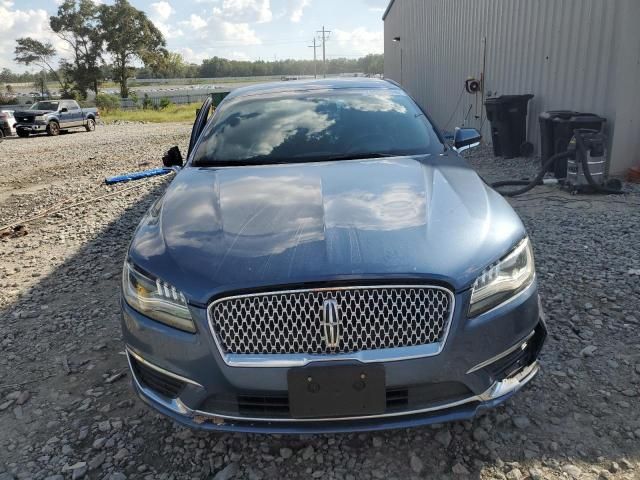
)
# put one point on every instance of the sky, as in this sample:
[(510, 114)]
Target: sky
[(235, 29)]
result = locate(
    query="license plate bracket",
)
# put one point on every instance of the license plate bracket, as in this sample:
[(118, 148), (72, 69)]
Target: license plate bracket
[(336, 391)]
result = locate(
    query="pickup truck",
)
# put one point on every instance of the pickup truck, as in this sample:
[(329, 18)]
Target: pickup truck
[(52, 116)]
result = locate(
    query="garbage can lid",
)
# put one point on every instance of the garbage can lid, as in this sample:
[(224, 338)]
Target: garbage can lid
[(588, 117), (553, 114), (508, 99), (578, 117)]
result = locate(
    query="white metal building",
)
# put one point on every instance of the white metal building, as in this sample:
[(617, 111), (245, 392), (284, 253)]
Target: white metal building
[(581, 55)]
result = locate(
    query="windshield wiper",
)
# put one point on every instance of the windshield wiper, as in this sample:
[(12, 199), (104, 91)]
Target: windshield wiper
[(359, 156), (282, 161), (237, 163)]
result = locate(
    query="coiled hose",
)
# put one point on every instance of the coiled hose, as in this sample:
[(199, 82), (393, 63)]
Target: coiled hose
[(531, 184)]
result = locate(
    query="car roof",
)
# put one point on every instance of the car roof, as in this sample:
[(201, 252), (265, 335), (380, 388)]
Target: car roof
[(310, 85)]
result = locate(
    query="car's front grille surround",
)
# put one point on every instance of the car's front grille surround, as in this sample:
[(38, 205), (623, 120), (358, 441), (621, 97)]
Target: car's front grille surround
[(289, 322)]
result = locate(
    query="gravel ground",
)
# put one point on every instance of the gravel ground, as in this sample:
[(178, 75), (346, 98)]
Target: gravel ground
[(66, 409)]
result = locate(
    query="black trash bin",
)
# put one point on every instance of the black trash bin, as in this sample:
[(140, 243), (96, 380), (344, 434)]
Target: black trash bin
[(556, 131), (508, 117)]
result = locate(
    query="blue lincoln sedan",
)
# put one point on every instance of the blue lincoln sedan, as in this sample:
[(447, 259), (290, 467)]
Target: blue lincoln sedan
[(324, 262)]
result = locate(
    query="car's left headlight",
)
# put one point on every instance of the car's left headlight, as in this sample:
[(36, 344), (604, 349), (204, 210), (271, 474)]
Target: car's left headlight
[(155, 298), (503, 279), (39, 118)]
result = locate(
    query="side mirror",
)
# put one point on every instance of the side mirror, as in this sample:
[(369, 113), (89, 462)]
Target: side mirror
[(173, 158), (64, 109), (466, 138)]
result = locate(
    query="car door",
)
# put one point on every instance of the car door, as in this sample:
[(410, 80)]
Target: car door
[(202, 116), (65, 115), (75, 112)]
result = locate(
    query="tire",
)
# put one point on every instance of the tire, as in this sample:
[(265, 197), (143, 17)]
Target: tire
[(91, 125), (1, 135), (23, 133), (53, 129)]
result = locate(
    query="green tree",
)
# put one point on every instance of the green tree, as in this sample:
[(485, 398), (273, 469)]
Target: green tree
[(165, 64), (40, 83), (132, 36), (6, 75), (77, 23), (29, 51), (107, 103)]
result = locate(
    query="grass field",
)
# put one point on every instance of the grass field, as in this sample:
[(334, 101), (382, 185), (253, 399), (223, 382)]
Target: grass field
[(173, 113)]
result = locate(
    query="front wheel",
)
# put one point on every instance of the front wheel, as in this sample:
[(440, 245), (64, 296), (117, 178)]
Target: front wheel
[(23, 133), (53, 129), (91, 125), (1, 135)]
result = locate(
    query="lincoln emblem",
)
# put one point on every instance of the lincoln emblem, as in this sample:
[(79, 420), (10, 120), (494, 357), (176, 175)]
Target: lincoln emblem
[(331, 323)]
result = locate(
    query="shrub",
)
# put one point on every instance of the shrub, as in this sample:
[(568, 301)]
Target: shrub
[(146, 102), (164, 103), (8, 100), (107, 103)]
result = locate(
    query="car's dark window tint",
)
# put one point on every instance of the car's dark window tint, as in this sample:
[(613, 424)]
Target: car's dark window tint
[(317, 125), (44, 106)]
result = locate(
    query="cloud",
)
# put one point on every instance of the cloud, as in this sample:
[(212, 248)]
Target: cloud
[(241, 33), (195, 22), (190, 56), (217, 30), (17, 23), (360, 41), (235, 55), (169, 31), (162, 10), (245, 11), (160, 13), (296, 9)]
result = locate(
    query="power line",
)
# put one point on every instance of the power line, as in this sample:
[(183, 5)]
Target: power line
[(325, 37), (315, 63)]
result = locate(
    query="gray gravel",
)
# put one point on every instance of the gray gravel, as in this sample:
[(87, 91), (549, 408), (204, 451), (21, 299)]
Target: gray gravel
[(67, 412)]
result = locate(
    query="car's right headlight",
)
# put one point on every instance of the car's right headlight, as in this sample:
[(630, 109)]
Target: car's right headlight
[(155, 298), (503, 279)]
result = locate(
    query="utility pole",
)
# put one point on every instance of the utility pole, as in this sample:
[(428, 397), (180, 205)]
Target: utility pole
[(315, 63), (325, 37)]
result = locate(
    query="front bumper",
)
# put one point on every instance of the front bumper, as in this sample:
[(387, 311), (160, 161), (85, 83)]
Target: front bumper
[(486, 359), (31, 127)]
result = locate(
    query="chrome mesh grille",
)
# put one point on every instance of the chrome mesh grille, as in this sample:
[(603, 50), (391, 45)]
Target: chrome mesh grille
[(369, 318)]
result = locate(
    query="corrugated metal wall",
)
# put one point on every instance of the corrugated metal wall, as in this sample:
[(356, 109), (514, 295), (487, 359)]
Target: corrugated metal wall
[(563, 51)]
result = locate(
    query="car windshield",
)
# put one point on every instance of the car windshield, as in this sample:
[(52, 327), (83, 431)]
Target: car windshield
[(316, 126), (44, 106)]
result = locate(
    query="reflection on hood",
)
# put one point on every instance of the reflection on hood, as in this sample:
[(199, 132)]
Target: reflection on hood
[(242, 227), (397, 206)]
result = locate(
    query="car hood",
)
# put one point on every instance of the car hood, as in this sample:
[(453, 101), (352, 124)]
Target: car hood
[(428, 218), (32, 112)]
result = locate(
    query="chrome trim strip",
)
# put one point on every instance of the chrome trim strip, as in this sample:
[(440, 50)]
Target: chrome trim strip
[(174, 405), (365, 356), (157, 369), (511, 384), (522, 344), (497, 390), (475, 398)]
